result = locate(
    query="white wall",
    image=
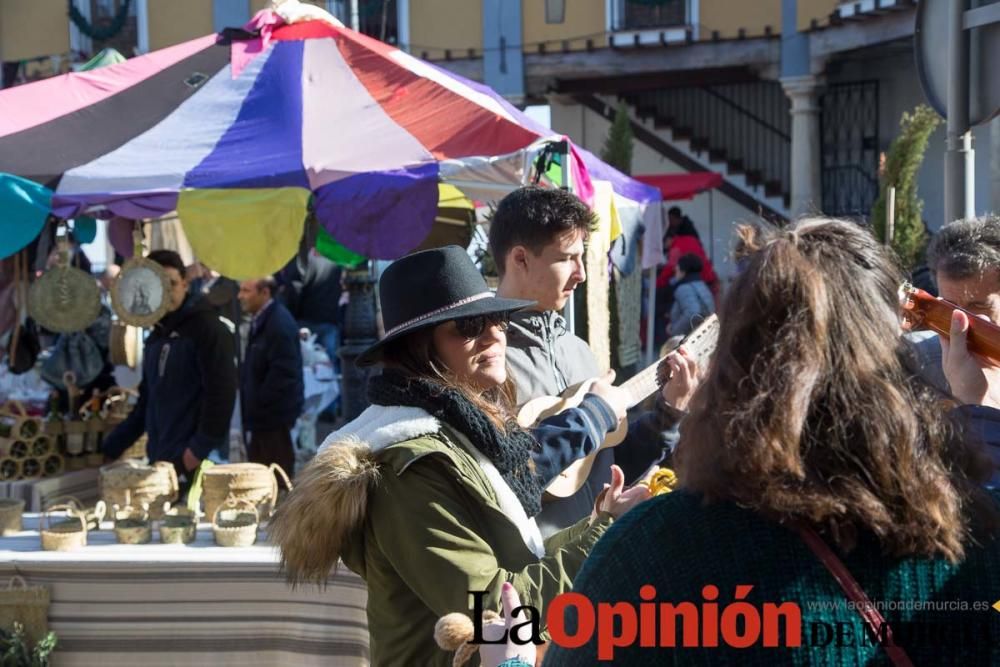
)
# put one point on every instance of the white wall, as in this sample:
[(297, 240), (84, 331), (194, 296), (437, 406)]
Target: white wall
[(899, 91)]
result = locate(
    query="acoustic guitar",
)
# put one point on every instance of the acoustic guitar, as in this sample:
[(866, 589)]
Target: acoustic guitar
[(700, 344)]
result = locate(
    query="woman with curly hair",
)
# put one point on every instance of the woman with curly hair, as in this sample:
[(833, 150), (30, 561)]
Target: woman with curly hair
[(812, 457)]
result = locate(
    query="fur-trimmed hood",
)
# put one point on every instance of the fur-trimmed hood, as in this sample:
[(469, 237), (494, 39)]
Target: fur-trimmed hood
[(321, 519)]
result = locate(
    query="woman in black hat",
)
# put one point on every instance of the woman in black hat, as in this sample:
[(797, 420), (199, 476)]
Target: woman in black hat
[(429, 494)]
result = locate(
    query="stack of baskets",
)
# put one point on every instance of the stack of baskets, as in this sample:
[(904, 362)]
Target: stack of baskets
[(133, 483), (251, 483), (26, 451)]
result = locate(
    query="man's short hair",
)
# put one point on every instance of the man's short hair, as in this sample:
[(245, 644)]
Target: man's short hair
[(168, 259), (966, 248), (534, 217), (674, 210), (268, 283), (690, 264)]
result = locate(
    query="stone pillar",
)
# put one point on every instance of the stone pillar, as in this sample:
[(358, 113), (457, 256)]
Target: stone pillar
[(995, 165), (805, 159)]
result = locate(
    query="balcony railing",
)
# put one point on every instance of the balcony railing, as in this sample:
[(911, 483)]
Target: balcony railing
[(649, 14)]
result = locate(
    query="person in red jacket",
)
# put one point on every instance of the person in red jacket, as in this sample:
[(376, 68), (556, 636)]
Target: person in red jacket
[(682, 238)]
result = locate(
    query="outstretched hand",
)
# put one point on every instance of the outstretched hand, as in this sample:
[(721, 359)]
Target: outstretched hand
[(615, 499)]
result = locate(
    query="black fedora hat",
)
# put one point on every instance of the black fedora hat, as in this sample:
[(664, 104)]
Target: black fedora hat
[(430, 287)]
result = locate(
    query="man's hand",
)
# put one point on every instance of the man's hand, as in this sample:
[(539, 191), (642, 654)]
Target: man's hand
[(684, 379), (973, 380), (616, 397), (615, 499), (190, 460)]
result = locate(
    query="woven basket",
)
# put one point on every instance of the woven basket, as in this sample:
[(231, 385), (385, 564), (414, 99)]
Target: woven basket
[(10, 469), (93, 514), (179, 526), (11, 510), (145, 485), (40, 447), (53, 465), (28, 605), (14, 449), (132, 525), (235, 524), (65, 535), (17, 424), (31, 468), (248, 482)]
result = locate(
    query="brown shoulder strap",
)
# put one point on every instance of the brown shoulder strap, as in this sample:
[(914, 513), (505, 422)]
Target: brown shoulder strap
[(869, 614)]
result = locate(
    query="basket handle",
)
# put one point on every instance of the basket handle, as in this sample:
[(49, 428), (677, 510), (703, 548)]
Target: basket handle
[(21, 411), (284, 476), (17, 579), (175, 486), (71, 511), (67, 500), (231, 503)]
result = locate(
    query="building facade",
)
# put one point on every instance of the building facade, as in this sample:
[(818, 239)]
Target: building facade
[(792, 101)]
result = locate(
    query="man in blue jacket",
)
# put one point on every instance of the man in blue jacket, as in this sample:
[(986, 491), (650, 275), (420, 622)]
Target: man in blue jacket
[(271, 390), (188, 384)]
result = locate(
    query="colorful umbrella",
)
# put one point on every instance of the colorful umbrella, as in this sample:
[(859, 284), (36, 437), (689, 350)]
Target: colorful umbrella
[(245, 132)]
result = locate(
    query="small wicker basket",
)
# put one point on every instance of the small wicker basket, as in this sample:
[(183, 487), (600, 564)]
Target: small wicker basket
[(235, 524), (11, 511), (132, 525), (65, 535), (92, 515), (179, 526), (15, 423), (27, 605)]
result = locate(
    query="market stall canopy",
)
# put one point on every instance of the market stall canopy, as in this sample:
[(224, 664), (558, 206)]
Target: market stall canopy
[(682, 186), (242, 133)]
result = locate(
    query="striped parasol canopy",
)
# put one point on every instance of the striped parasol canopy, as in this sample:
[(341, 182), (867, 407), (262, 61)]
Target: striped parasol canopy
[(245, 132)]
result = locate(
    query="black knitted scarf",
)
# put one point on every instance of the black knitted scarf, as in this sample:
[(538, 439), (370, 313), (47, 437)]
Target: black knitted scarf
[(509, 451)]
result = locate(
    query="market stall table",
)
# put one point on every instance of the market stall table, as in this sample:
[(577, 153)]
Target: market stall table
[(196, 604)]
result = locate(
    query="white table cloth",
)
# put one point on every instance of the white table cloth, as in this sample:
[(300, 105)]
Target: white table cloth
[(198, 604)]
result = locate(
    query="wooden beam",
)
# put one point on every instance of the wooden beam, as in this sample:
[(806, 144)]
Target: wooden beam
[(633, 83), (542, 72), (852, 35)]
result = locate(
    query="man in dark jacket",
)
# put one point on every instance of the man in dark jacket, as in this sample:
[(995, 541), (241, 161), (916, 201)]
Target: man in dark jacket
[(188, 384), (271, 388)]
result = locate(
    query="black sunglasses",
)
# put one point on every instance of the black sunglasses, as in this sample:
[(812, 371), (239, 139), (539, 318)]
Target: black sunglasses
[(474, 326)]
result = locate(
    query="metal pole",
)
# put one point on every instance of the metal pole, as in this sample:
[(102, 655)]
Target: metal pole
[(890, 217), (355, 21), (711, 226), (959, 186), (569, 311), (650, 314)]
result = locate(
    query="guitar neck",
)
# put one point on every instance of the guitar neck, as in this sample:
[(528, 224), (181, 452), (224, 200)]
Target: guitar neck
[(642, 384)]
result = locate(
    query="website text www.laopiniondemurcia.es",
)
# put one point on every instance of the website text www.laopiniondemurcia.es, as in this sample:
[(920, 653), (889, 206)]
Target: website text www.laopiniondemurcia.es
[(709, 624)]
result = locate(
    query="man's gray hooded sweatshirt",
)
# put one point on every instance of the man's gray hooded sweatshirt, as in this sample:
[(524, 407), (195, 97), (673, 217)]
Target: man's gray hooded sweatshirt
[(545, 359)]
